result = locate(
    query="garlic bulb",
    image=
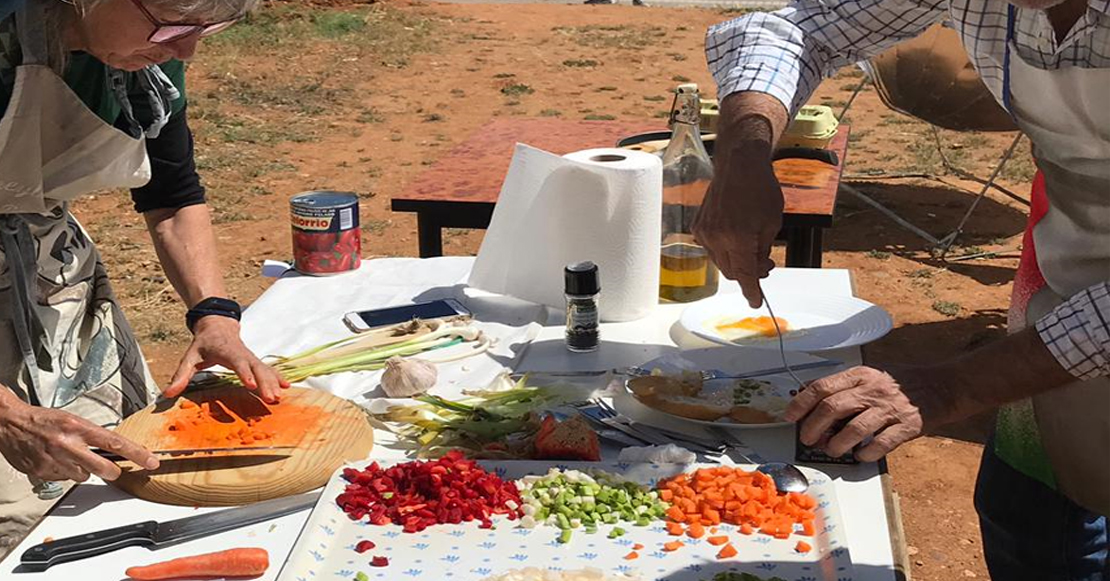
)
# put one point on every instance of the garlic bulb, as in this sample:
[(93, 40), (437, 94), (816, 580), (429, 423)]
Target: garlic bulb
[(407, 377)]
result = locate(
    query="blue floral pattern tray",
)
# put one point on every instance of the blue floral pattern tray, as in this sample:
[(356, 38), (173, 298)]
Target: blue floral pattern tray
[(325, 549)]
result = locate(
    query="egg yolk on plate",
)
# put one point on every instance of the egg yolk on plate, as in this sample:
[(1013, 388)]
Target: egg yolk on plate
[(762, 326)]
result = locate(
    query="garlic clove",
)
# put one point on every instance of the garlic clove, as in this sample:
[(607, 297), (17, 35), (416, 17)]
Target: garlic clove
[(408, 377)]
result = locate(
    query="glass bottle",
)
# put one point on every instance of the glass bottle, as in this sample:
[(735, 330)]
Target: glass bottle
[(686, 273)]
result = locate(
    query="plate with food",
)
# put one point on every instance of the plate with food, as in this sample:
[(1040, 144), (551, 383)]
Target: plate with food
[(809, 322), (678, 388)]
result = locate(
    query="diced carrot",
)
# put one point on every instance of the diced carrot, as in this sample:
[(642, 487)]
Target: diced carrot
[(695, 531), (666, 495), (727, 552), (674, 529), (632, 555), (803, 547), (717, 541), (708, 497), (673, 546), (637, 547)]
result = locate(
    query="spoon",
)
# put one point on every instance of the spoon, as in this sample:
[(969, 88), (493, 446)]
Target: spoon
[(787, 477)]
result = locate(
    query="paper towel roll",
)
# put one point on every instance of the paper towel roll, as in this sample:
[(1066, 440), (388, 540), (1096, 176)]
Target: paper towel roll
[(602, 205)]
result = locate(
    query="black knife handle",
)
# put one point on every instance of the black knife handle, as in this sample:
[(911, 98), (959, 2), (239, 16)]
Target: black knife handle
[(42, 557)]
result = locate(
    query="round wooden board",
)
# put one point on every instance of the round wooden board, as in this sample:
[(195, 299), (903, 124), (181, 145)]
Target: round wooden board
[(343, 433)]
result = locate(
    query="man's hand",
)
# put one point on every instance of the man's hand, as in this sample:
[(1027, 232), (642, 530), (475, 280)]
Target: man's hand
[(216, 342), (742, 211), (738, 222), (891, 410), (54, 445)]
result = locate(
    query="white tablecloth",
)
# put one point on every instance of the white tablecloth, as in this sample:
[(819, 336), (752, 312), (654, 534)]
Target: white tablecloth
[(301, 303)]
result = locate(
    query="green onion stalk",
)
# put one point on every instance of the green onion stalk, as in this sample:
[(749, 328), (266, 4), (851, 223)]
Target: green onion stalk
[(369, 351)]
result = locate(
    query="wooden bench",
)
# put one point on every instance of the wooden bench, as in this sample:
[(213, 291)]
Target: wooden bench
[(460, 189)]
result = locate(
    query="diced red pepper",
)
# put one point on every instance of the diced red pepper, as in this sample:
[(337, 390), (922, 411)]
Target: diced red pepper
[(364, 546)]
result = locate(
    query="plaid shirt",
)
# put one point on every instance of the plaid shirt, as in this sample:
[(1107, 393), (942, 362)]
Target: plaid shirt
[(787, 53)]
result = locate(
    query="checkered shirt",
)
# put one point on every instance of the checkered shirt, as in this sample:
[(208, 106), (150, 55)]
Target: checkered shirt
[(787, 53), (1078, 332)]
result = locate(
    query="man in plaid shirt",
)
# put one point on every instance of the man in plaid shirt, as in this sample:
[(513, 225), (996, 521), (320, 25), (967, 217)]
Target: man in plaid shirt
[(1044, 485)]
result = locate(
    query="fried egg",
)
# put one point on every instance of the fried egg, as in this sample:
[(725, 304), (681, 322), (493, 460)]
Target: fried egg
[(751, 328)]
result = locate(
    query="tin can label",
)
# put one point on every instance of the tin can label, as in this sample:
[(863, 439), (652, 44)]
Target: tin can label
[(326, 236)]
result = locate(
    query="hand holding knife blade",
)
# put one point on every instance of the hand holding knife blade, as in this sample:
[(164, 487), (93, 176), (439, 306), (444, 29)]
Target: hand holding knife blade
[(155, 535)]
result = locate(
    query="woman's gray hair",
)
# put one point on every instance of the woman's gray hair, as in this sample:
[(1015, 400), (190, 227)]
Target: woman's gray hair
[(60, 12)]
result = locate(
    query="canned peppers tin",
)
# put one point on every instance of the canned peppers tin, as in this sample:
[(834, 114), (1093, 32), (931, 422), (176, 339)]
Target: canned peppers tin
[(326, 238)]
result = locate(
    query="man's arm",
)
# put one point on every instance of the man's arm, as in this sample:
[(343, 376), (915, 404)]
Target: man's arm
[(766, 66), (1072, 342)]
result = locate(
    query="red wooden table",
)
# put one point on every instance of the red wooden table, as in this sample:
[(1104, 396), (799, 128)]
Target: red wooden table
[(460, 190)]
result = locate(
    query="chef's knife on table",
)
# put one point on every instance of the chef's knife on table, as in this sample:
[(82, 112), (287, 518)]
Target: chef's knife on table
[(156, 535), (193, 451)]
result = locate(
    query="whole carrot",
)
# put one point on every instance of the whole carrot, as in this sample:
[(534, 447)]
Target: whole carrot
[(246, 562)]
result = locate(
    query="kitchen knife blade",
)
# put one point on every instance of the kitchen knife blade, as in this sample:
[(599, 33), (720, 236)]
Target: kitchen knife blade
[(189, 451), (155, 534)]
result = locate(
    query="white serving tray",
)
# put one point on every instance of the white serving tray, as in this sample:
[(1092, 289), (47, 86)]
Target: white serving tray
[(325, 549)]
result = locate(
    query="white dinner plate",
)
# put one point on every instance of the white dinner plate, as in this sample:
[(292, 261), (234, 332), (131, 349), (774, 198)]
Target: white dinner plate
[(731, 361), (817, 322)]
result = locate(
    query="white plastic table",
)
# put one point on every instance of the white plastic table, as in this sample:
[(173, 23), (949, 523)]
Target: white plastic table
[(294, 302)]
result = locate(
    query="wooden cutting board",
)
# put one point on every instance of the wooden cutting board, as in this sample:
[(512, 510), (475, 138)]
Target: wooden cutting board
[(328, 431)]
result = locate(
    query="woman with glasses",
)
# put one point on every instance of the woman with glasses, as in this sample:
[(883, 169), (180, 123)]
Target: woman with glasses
[(92, 98)]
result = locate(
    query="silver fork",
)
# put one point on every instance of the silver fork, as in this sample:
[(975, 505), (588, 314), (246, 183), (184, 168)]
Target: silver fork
[(709, 444), (646, 434)]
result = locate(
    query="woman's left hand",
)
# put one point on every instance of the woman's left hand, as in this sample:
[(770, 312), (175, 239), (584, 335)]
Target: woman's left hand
[(216, 342)]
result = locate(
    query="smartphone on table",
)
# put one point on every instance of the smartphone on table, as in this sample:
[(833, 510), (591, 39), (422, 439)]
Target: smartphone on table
[(362, 321)]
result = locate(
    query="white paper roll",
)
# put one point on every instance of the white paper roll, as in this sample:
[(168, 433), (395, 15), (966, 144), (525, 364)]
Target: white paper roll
[(602, 205)]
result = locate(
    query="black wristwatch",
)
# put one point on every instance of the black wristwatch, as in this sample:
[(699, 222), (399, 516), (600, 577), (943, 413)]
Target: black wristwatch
[(213, 306)]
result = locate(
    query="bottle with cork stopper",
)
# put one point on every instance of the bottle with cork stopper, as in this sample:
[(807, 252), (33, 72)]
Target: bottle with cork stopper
[(686, 272), (582, 286)]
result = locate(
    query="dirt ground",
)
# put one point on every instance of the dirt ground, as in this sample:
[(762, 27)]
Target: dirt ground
[(363, 98)]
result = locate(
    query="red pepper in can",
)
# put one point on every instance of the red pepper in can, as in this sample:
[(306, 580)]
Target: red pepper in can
[(326, 237)]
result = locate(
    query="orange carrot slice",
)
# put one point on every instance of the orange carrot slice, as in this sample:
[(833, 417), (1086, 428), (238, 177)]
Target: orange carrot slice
[(727, 552)]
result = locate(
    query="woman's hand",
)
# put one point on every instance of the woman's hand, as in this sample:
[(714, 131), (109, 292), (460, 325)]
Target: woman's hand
[(54, 445), (216, 342), (890, 409)]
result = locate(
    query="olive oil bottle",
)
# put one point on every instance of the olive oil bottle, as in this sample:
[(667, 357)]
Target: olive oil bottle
[(686, 272)]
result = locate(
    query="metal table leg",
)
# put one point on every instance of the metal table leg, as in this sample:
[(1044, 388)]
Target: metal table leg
[(803, 247), (429, 234)]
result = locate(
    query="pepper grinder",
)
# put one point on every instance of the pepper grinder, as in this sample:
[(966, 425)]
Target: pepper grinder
[(582, 284)]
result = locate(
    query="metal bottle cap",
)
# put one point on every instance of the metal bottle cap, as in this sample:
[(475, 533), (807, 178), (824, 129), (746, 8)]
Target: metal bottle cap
[(582, 278)]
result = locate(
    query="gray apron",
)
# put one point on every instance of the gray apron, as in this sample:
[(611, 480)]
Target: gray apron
[(64, 342), (1064, 113)]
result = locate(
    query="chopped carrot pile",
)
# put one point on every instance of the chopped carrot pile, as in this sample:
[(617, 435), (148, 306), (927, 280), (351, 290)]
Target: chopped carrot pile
[(727, 552), (803, 547), (723, 494), (217, 423), (673, 546), (718, 540)]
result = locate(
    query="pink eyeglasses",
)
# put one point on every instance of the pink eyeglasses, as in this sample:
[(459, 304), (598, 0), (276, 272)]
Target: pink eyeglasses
[(167, 32)]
